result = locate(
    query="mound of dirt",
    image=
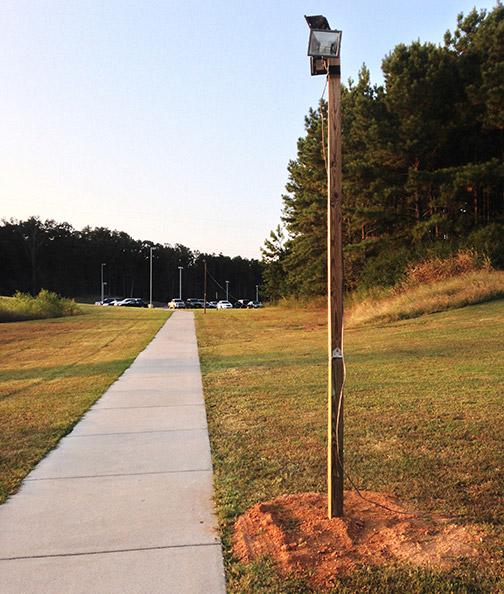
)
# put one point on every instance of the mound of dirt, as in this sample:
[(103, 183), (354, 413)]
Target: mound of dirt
[(294, 531)]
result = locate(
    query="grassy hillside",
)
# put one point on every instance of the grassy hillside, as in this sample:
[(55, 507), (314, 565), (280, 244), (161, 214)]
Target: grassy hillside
[(405, 302), (424, 421), (51, 371)]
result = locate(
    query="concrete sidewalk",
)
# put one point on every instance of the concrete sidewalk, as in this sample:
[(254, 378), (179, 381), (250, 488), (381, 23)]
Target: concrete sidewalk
[(123, 504)]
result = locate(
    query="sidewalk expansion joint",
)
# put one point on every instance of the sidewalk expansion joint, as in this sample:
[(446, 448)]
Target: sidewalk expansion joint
[(86, 476), (217, 543), (136, 432), (146, 406)]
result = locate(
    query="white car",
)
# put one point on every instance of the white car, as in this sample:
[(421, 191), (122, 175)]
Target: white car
[(177, 304), (224, 305), (254, 305)]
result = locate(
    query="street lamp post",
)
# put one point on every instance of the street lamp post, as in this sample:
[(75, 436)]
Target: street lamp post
[(102, 286), (150, 278), (205, 287), (180, 268), (324, 51), (257, 293), (227, 290)]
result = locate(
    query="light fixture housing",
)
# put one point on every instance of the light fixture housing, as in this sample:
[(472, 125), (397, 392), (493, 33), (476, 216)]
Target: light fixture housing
[(324, 43), (318, 66), (318, 22)]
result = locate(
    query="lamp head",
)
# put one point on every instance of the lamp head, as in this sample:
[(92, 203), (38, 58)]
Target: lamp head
[(324, 43)]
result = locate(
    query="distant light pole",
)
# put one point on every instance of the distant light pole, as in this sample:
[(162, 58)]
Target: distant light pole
[(257, 293), (205, 287), (150, 278), (102, 286), (180, 268), (324, 51), (227, 290)]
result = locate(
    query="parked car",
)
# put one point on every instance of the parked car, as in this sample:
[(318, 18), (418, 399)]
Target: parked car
[(209, 304), (177, 304), (108, 301), (224, 305), (254, 304), (131, 302), (193, 303), (112, 300), (241, 304)]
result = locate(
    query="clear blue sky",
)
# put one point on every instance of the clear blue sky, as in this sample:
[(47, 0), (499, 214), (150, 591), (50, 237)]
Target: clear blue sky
[(174, 121)]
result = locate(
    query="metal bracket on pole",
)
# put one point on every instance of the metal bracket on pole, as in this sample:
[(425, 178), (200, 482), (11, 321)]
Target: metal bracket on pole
[(337, 354)]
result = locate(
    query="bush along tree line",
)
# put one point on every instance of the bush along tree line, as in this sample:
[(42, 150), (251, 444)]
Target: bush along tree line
[(37, 254), (422, 164), (46, 304)]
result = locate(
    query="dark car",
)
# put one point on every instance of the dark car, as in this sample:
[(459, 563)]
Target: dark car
[(132, 302), (193, 303), (108, 301)]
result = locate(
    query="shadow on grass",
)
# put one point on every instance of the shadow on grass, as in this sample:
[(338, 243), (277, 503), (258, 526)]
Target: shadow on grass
[(273, 360), (73, 370)]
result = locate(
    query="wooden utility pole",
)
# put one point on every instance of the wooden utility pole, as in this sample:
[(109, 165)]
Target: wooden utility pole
[(205, 288), (335, 294)]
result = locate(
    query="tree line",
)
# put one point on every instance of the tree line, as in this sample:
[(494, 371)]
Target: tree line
[(36, 254), (422, 165)]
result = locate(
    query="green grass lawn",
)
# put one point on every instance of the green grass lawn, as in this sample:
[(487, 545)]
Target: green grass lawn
[(51, 372), (424, 421)]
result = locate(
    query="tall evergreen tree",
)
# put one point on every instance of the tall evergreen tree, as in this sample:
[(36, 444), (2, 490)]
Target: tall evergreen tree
[(304, 210), (422, 163), (274, 254)]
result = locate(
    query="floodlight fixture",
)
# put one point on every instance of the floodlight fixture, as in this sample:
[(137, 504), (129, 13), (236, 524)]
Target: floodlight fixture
[(324, 44)]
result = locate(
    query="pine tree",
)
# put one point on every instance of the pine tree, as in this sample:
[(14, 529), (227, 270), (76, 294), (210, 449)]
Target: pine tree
[(422, 163)]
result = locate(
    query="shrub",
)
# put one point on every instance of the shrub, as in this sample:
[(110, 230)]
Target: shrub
[(489, 240), (375, 263), (386, 268), (438, 269), (46, 304)]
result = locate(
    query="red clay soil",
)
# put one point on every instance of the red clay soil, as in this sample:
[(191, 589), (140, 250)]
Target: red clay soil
[(294, 531)]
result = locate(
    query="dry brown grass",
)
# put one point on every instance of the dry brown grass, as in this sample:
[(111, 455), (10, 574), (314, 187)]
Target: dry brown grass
[(458, 291), (424, 421), (51, 371), (434, 270)]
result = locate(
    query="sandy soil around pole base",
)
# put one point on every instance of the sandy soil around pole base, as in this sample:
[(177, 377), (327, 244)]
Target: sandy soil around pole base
[(294, 531)]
